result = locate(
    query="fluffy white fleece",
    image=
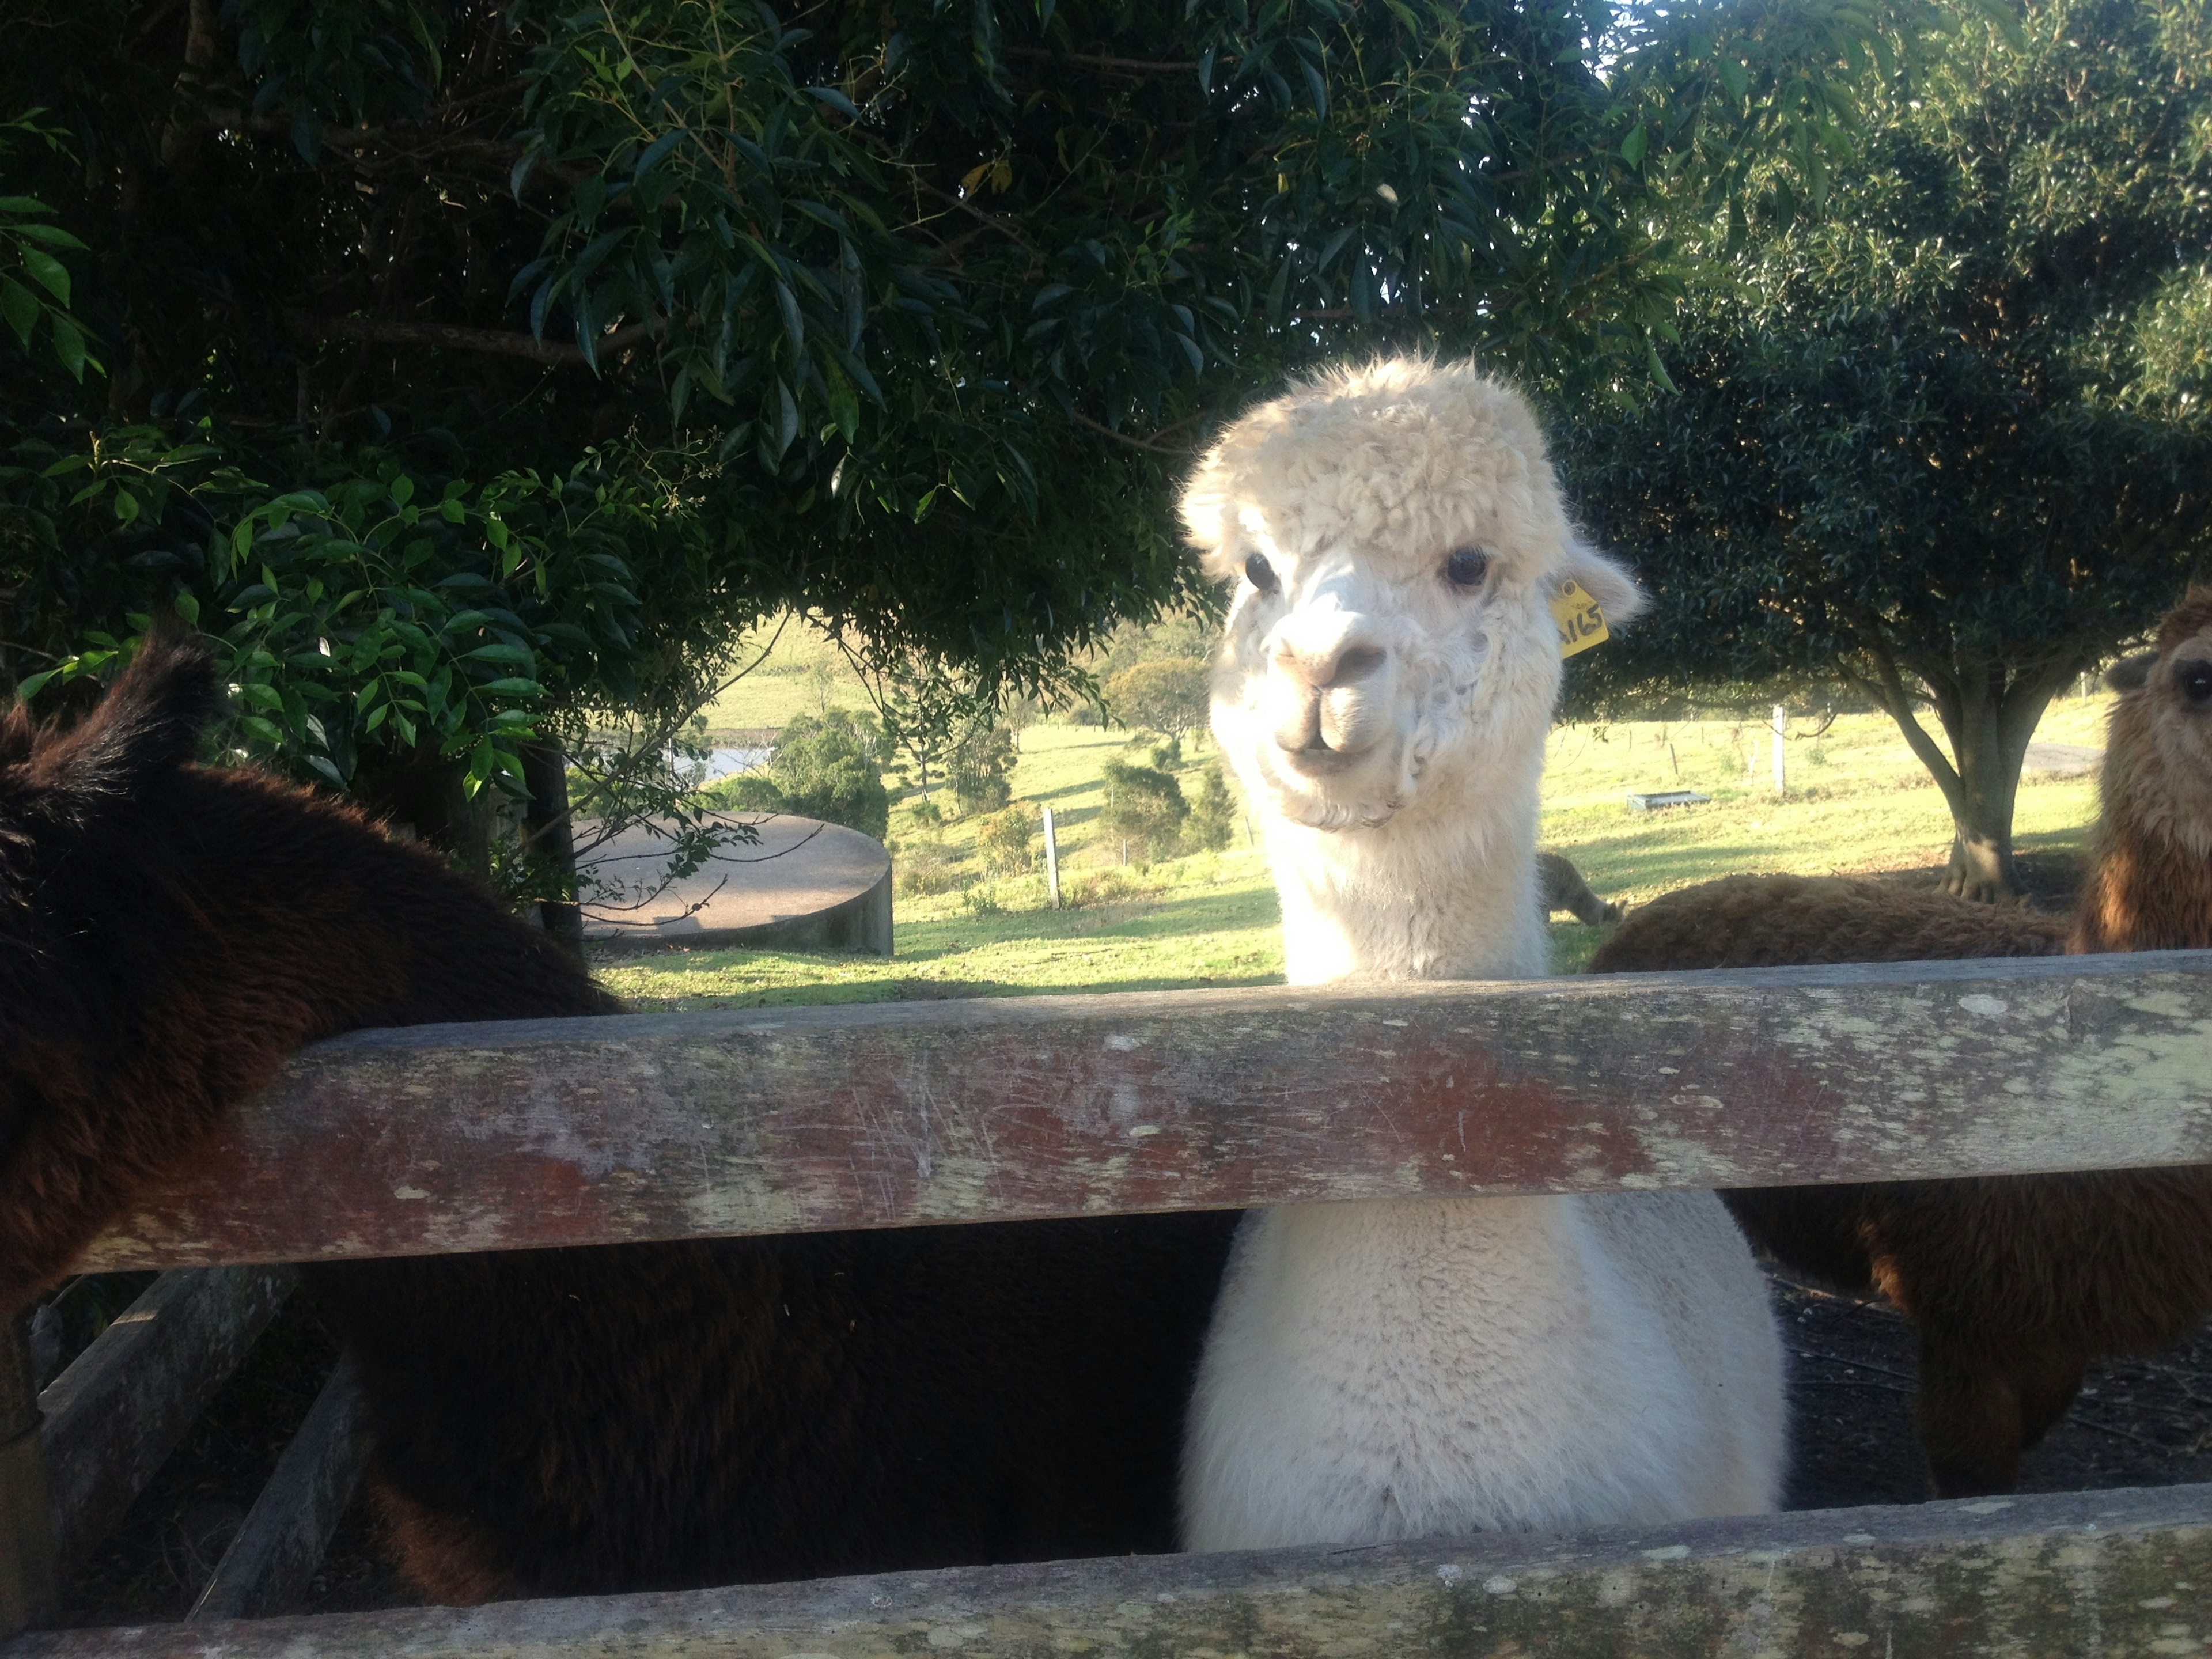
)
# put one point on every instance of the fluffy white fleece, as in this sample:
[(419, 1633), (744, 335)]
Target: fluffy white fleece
[(1407, 1369)]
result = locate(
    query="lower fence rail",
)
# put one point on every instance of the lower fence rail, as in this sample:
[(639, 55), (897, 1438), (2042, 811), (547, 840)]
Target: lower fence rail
[(2110, 1573)]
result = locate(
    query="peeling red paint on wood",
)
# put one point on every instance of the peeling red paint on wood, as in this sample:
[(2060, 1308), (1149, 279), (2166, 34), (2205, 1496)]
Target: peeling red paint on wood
[(461, 1138)]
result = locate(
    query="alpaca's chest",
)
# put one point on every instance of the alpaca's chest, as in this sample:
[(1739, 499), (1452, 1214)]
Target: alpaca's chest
[(1406, 1369)]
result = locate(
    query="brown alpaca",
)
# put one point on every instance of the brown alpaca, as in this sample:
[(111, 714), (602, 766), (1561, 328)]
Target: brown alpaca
[(553, 1421), (1564, 889), (2015, 1284)]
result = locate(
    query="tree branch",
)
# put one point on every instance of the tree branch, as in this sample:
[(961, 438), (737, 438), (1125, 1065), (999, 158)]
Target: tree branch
[(1898, 703), (1130, 65), (501, 342), (1134, 443)]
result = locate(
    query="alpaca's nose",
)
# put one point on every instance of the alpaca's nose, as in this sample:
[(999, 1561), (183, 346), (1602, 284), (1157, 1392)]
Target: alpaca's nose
[(1323, 665)]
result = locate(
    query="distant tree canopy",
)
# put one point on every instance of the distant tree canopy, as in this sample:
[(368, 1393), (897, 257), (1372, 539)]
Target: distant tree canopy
[(1145, 805), (1950, 439), (469, 367), (1167, 695), (823, 766)]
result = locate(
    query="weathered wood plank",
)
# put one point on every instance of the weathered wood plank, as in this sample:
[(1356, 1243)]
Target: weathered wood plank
[(29, 1586), (464, 1138), (266, 1569), (2110, 1573), (122, 1404)]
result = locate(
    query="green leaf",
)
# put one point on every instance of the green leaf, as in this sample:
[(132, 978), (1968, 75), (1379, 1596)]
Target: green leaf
[(52, 235), (21, 307), (48, 272)]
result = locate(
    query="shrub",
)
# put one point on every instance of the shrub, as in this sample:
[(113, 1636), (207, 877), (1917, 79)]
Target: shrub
[(979, 766), (1143, 807), (927, 867), (826, 766), (1005, 842), (750, 791), (1106, 887), (1167, 694), (1213, 822)]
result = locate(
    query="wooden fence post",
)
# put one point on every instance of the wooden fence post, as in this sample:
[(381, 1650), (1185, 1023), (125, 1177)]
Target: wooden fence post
[(1051, 861), (1781, 730), (29, 1589)]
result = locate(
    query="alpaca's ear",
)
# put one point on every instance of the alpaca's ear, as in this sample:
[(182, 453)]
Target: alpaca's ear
[(1612, 587), (2131, 673), (148, 723), (1209, 519)]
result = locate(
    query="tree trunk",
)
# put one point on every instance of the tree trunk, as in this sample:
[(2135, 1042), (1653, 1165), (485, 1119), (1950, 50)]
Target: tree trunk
[(423, 790), (551, 840), (1989, 711)]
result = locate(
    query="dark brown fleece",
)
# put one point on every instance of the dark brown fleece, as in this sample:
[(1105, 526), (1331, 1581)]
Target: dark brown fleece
[(2015, 1284), (557, 1421)]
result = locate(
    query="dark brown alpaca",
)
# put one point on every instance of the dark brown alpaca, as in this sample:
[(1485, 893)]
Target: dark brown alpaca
[(2015, 1284), (555, 1421)]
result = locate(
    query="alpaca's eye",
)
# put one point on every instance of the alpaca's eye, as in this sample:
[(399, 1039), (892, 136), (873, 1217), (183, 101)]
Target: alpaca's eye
[(2196, 681), (1467, 568), (1261, 574)]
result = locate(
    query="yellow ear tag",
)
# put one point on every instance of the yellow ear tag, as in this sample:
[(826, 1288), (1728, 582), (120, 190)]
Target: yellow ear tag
[(1580, 623)]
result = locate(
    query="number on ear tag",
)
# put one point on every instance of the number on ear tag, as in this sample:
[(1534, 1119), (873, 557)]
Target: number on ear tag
[(1581, 624)]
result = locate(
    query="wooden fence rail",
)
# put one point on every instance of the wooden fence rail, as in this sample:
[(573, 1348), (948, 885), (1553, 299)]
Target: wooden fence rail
[(2104, 1574), (459, 1137), (452, 1139)]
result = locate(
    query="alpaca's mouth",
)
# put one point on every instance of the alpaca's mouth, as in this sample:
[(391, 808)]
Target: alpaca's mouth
[(1318, 760), (1322, 787)]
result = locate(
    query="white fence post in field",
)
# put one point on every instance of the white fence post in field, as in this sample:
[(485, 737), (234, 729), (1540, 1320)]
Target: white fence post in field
[(1781, 727), (1051, 861)]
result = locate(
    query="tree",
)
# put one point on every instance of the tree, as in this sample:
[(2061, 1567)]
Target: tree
[(981, 767), (825, 766), (1213, 822), (1145, 805), (1167, 694), (909, 317), (1951, 439)]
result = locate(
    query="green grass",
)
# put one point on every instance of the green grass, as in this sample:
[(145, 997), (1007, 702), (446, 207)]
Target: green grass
[(1857, 801), (803, 668)]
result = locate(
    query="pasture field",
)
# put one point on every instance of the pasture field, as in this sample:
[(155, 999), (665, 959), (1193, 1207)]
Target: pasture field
[(1857, 801), (801, 674)]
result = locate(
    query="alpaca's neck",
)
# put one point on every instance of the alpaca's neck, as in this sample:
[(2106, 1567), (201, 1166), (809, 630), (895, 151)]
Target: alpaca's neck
[(1449, 894), (2149, 886)]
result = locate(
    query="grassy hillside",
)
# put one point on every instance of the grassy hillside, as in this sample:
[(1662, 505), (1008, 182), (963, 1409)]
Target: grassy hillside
[(800, 675), (1856, 801)]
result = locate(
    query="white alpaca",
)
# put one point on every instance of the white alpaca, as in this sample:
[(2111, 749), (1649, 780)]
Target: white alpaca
[(1404, 1368)]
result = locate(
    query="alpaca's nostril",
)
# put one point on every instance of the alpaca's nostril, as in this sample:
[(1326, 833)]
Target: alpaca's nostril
[(1325, 671), (1356, 665)]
